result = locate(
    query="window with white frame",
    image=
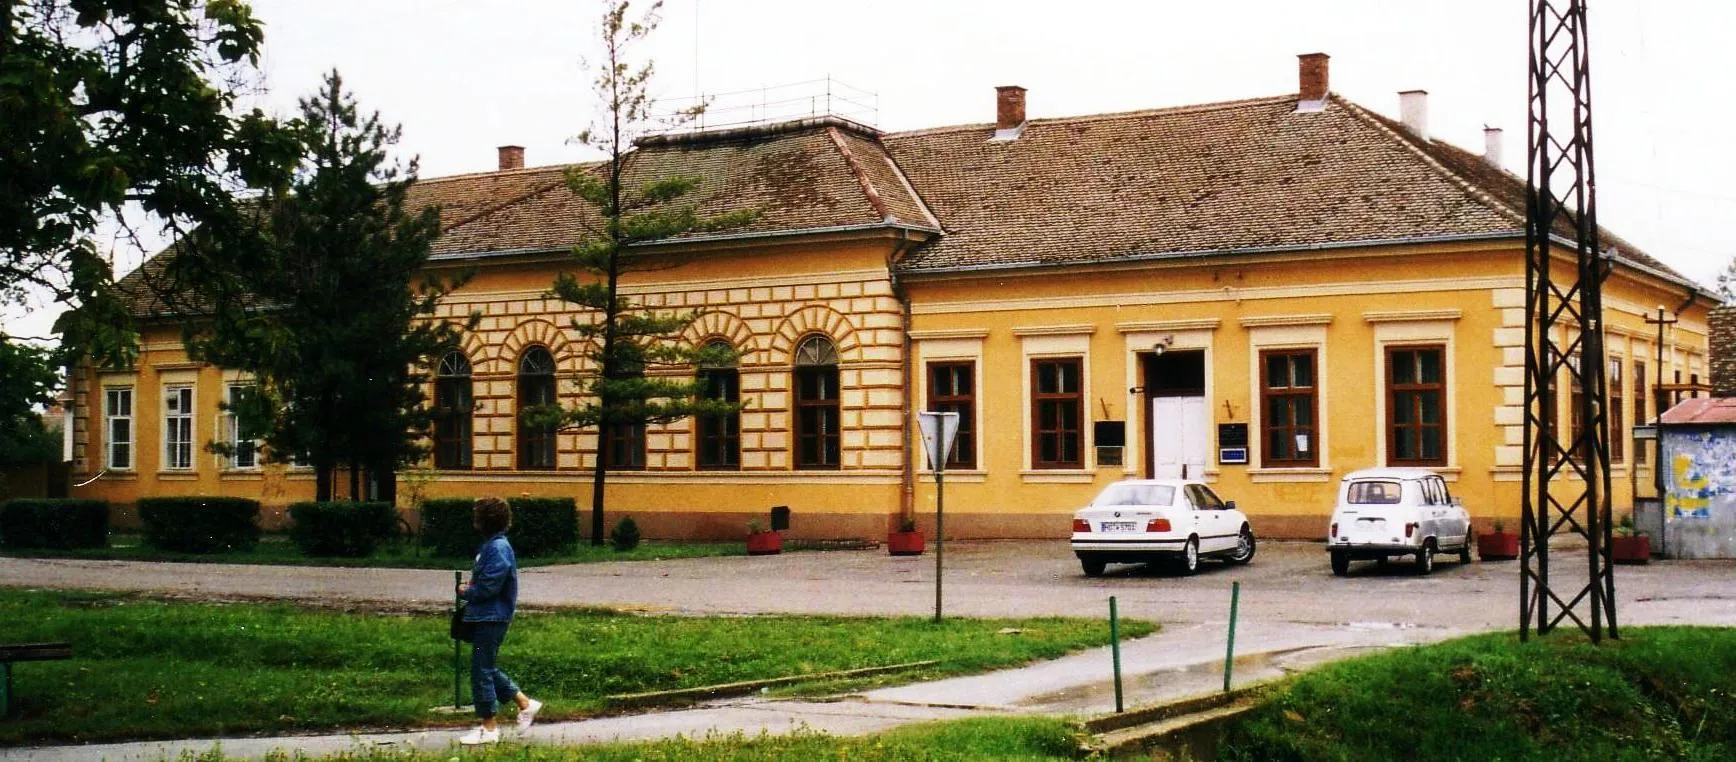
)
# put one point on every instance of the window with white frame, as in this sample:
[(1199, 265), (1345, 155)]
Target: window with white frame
[(178, 427), (244, 450), (118, 427)]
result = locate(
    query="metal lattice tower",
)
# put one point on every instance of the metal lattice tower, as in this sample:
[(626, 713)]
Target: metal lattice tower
[(1564, 340)]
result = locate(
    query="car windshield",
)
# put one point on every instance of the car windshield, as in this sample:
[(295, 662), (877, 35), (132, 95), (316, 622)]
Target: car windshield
[(1375, 493), (1136, 494)]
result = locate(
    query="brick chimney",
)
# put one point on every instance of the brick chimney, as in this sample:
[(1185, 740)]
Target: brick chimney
[(1312, 81), (511, 157), (1413, 111), (1492, 145), (1009, 112)]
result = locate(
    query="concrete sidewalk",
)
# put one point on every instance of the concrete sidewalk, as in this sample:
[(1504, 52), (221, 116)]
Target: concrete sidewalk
[(1176, 662)]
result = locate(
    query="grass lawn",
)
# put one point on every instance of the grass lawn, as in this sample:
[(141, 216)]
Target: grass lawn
[(1658, 693), (278, 550), (991, 739), (150, 669)]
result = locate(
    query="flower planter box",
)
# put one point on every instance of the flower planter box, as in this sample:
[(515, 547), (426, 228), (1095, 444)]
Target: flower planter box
[(1635, 549), (904, 543), (1498, 546), (765, 544)]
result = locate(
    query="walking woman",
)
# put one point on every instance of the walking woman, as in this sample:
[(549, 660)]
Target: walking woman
[(491, 597)]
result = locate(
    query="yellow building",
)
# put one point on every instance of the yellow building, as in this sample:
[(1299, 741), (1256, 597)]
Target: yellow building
[(1266, 293)]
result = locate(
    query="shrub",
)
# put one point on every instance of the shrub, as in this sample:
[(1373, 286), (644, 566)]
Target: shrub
[(541, 526), (625, 535), (341, 528), (200, 524), (54, 523)]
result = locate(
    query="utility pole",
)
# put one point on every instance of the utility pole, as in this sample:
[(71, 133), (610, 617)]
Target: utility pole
[(1658, 393)]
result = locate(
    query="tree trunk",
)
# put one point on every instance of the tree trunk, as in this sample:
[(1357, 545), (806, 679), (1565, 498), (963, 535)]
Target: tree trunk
[(597, 476), (355, 481), (322, 480)]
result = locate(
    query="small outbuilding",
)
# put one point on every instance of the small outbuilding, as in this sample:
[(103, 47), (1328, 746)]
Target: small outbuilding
[(1697, 445)]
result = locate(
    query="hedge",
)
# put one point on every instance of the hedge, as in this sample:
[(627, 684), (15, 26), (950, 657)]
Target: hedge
[(541, 526), (341, 528), (200, 524), (54, 523)]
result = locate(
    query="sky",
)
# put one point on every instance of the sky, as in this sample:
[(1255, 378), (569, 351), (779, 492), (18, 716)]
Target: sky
[(463, 77)]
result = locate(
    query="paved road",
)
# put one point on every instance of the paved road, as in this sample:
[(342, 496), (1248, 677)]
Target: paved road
[(1287, 583), (1294, 614)]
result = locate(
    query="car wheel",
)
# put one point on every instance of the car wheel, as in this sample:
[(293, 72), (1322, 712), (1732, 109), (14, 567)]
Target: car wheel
[(1340, 564), (1465, 550), (1381, 561), (1244, 547), (1190, 557), (1093, 566), (1426, 558)]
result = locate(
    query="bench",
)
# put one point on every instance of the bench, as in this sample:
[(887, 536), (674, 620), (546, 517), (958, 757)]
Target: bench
[(27, 652)]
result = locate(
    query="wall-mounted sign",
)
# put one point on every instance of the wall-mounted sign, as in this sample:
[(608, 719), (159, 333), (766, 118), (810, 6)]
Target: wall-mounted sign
[(1233, 455)]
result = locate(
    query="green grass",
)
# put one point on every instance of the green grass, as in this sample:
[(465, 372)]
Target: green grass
[(279, 551), (990, 739), (1658, 693), (151, 669)]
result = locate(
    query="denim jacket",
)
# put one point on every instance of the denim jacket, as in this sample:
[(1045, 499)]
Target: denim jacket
[(493, 591)]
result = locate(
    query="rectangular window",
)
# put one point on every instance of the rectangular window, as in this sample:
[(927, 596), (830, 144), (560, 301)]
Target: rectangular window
[(1575, 419), (1289, 407), (1416, 406), (118, 427), (817, 403), (241, 439), (1640, 416), (1617, 434), (1057, 413), (952, 389), (719, 436), (625, 446), (178, 427)]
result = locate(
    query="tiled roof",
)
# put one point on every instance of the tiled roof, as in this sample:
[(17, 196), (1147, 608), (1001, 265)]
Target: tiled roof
[(1245, 175)]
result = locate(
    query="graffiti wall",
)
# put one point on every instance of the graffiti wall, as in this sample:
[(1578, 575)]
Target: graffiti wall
[(1699, 492)]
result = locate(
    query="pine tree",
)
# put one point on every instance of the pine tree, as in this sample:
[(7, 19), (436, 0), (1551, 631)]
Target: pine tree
[(628, 343), (325, 305)]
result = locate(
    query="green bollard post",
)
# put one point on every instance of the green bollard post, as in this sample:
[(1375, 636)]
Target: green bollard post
[(1230, 653), (457, 658), (1115, 650)]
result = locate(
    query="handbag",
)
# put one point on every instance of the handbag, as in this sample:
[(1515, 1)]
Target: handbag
[(462, 630)]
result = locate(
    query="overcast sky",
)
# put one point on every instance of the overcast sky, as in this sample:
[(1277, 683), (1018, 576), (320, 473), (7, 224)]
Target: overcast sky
[(465, 76)]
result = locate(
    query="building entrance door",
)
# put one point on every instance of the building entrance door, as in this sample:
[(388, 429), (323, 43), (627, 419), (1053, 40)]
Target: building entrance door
[(1176, 415)]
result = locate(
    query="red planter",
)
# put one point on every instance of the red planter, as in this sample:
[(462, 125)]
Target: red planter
[(1636, 549), (765, 544), (904, 543), (1498, 546)]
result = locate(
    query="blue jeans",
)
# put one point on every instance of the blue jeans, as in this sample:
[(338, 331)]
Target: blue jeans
[(488, 685)]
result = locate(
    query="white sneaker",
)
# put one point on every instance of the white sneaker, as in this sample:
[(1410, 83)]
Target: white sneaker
[(480, 736), (527, 715)]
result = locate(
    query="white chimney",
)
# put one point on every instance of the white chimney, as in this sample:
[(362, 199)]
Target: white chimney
[(1492, 145), (1413, 111)]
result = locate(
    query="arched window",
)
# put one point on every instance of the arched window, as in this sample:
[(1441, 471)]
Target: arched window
[(719, 436), (816, 382), (452, 406), (536, 386)]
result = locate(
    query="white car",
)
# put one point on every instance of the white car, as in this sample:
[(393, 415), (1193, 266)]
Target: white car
[(1387, 512), (1142, 520)]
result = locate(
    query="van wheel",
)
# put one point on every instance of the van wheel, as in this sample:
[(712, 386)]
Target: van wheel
[(1426, 558), (1092, 565), (1340, 564), (1190, 557)]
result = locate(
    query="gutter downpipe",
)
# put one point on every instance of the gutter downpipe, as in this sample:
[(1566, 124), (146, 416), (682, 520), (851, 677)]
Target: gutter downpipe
[(907, 469)]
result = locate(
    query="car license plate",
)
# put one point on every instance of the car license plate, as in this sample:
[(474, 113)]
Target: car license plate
[(1120, 526)]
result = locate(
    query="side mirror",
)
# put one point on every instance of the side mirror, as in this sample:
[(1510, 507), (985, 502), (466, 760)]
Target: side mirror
[(1458, 501), (1230, 505)]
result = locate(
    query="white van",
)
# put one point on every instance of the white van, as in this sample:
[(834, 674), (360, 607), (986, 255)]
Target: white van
[(1387, 512)]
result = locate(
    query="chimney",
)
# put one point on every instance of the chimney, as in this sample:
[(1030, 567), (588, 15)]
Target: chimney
[(1009, 112), (511, 157), (1413, 111), (1311, 73), (1492, 145)]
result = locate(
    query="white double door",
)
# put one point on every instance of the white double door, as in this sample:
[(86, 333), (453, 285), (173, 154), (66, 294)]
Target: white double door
[(1178, 434)]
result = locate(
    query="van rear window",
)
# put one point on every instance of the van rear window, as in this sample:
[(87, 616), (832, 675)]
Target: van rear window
[(1375, 493)]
